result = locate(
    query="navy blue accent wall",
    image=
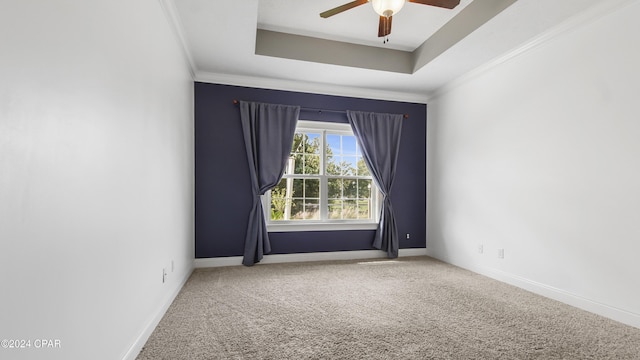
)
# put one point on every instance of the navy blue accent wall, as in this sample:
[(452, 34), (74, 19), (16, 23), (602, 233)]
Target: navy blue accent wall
[(223, 195)]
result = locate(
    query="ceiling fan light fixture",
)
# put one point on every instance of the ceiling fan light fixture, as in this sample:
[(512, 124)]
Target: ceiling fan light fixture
[(387, 8)]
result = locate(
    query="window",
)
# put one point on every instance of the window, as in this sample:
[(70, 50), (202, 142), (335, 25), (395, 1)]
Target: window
[(326, 184)]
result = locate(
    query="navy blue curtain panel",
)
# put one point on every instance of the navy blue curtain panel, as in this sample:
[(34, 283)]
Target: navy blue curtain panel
[(268, 131), (379, 137)]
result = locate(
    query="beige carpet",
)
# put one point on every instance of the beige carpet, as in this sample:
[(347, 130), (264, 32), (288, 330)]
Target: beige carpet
[(410, 308)]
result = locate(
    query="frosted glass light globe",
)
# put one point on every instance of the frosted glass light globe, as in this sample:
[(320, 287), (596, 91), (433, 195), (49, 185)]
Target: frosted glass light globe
[(387, 8)]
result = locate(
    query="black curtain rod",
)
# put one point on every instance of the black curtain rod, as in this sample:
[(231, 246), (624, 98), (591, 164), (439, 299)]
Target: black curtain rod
[(406, 116)]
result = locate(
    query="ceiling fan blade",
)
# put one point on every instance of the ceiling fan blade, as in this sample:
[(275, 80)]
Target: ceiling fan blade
[(447, 4), (342, 8), (384, 26)]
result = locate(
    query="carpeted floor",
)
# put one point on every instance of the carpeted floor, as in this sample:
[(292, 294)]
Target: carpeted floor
[(410, 308)]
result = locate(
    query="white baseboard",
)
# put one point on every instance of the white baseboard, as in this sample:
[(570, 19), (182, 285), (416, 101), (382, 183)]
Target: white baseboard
[(566, 297), (554, 293), (301, 257), (137, 346)]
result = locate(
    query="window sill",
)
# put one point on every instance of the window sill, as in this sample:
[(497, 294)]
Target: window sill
[(293, 227)]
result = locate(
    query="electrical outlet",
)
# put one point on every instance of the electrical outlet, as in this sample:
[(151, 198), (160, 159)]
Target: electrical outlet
[(164, 275), (408, 236), (480, 248), (500, 253)]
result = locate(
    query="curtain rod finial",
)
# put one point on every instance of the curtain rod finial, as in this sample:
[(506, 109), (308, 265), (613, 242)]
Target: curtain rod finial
[(235, 102)]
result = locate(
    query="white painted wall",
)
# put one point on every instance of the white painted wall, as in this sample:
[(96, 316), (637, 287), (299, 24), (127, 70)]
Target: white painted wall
[(540, 156), (96, 174)]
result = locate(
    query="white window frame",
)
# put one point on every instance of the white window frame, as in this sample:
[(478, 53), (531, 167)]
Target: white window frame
[(324, 224)]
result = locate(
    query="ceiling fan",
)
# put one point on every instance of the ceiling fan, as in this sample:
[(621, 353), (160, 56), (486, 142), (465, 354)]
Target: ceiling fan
[(386, 9)]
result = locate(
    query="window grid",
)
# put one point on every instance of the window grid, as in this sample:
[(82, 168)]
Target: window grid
[(355, 206)]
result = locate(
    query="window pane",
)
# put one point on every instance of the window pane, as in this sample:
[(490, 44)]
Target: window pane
[(278, 201), (349, 189), (296, 188), (350, 209), (297, 163), (343, 210), (333, 165), (335, 209), (363, 170), (297, 209), (349, 165), (312, 144), (348, 145), (333, 144), (304, 164), (295, 199), (311, 164), (364, 189), (306, 153), (311, 188), (312, 210), (349, 199), (305, 209), (364, 209), (299, 140), (342, 165), (334, 188)]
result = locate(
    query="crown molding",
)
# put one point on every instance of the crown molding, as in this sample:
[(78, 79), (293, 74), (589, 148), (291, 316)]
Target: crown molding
[(308, 87), (171, 13), (175, 23), (584, 18)]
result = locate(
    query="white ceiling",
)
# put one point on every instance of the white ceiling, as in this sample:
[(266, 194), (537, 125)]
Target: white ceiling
[(219, 38), (411, 26)]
